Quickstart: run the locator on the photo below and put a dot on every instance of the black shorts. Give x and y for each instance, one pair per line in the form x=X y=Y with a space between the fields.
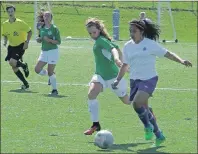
x=15 y=52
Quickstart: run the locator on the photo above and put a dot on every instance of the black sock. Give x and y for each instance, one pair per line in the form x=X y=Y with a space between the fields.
x=20 y=64
x=21 y=77
x=153 y=121
x=96 y=124
x=143 y=115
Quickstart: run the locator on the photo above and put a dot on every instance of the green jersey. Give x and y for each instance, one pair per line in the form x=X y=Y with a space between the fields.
x=52 y=33
x=105 y=65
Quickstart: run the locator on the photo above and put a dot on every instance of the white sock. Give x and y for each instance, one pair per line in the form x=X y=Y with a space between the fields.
x=53 y=81
x=93 y=109
x=43 y=72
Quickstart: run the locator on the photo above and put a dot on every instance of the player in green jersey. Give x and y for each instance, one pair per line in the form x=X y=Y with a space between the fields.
x=108 y=59
x=49 y=36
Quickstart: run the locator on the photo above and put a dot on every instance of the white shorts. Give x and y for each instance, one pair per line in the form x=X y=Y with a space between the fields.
x=122 y=86
x=50 y=57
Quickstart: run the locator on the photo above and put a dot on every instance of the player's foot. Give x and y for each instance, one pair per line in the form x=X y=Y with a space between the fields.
x=54 y=92
x=49 y=83
x=159 y=140
x=26 y=70
x=25 y=87
x=91 y=130
x=149 y=132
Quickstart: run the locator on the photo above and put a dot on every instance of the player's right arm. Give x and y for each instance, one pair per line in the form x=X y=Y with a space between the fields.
x=5 y=38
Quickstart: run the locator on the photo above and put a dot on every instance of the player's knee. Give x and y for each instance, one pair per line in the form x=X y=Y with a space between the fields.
x=12 y=63
x=37 y=70
x=50 y=73
x=92 y=95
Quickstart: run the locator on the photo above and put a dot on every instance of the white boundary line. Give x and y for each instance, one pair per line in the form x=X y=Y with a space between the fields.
x=83 y=84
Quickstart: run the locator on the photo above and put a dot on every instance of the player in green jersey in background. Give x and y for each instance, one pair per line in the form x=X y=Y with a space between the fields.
x=49 y=36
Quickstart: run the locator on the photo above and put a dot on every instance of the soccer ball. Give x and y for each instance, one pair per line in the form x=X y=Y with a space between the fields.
x=104 y=139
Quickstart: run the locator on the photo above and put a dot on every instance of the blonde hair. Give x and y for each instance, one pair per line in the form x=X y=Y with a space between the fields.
x=99 y=25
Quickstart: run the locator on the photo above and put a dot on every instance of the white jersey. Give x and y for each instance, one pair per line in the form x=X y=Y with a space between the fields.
x=141 y=58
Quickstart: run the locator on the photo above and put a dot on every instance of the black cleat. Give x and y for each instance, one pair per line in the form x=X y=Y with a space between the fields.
x=54 y=92
x=25 y=87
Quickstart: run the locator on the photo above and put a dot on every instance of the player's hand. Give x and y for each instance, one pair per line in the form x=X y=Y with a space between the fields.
x=118 y=62
x=187 y=63
x=38 y=40
x=4 y=44
x=47 y=39
x=115 y=84
x=25 y=46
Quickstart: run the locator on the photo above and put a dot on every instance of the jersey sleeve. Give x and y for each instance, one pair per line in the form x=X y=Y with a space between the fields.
x=125 y=57
x=25 y=26
x=3 y=30
x=57 y=35
x=158 y=50
x=105 y=43
x=115 y=45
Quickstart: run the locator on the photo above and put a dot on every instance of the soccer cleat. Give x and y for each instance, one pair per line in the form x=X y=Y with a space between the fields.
x=25 y=87
x=54 y=92
x=149 y=132
x=91 y=130
x=26 y=70
x=159 y=141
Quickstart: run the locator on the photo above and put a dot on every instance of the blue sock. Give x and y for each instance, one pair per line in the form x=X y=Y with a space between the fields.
x=143 y=115
x=154 y=123
x=158 y=134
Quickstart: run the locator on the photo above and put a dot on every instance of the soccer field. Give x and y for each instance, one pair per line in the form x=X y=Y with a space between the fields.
x=32 y=122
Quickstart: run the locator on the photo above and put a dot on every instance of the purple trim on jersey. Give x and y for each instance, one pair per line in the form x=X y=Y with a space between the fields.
x=147 y=86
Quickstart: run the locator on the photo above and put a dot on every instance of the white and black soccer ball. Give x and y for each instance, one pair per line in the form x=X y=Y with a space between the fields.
x=104 y=139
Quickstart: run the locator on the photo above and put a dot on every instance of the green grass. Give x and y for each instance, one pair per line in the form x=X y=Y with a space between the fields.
x=33 y=122
x=71 y=20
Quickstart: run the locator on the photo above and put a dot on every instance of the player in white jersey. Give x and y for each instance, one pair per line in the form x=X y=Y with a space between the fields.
x=140 y=54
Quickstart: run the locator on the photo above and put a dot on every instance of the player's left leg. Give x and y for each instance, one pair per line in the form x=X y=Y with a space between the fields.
x=53 y=56
x=19 y=52
x=145 y=90
x=52 y=78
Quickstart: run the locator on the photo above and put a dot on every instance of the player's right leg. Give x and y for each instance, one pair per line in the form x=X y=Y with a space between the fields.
x=42 y=61
x=139 y=103
x=95 y=88
x=18 y=73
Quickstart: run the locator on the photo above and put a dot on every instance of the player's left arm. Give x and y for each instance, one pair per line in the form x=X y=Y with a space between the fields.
x=111 y=47
x=25 y=27
x=116 y=57
x=162 y=52
x=174 y=57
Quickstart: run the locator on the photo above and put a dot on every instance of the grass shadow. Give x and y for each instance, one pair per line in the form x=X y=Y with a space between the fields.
x=124 y=147
x=152 y=150
x=22 y=91
x=54 y=96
